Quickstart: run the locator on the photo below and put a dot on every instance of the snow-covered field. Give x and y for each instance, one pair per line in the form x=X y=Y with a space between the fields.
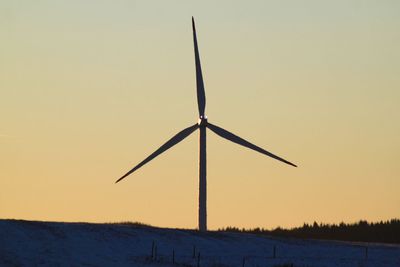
x=28 y=243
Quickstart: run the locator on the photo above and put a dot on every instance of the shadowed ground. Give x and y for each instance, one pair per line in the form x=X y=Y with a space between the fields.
x=32 y=243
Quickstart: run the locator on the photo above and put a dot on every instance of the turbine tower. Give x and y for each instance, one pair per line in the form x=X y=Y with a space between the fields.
x=202 y=124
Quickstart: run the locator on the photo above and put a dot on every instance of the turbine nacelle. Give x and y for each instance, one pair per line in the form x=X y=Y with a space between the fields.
x=202 y=122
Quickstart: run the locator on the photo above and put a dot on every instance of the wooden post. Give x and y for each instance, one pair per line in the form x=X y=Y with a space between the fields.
x=366 y=252
x=173 y=256
x=194 y=252
x=274 y=253
x=244 y=261
x=152 y=250
x=198 y=259
x=155 y=252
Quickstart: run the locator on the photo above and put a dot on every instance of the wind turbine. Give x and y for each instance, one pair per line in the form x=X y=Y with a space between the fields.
x=201 y=125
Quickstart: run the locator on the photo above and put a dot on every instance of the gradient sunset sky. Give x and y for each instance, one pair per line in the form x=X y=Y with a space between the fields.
x=90 y=88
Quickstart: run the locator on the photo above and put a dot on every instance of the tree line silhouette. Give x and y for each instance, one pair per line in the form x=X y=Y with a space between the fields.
x=362 y=231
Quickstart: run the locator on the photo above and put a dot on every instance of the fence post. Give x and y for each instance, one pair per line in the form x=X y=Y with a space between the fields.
x=274 y=252
x=173 y=256
x=155 y=252
x=244 y=261
x=366 y=252
x=194 y=252
x=198 y=260
x=152 y=250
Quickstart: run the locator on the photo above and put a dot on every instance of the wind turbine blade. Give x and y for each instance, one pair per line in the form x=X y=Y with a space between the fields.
x=238 y=140
x=170 y=143
x=201 y=95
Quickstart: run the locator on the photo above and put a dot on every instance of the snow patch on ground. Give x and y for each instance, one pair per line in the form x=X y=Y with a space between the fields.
x=31 y=243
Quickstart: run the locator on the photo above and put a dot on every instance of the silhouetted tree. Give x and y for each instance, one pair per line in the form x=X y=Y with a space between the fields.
x=384 y=232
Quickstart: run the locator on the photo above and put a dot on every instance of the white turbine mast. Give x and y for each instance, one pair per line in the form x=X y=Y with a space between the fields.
x=201 y=125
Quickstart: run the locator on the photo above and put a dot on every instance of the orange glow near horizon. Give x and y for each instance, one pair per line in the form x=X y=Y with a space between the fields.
x=90 y=89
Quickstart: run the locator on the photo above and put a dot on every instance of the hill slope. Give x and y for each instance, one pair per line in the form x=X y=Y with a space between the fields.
x=31 y=243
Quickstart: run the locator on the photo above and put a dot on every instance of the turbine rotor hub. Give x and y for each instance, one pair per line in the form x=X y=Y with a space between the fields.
x=202 y=121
